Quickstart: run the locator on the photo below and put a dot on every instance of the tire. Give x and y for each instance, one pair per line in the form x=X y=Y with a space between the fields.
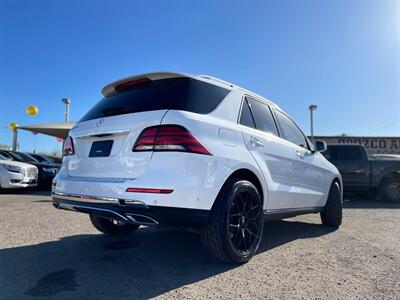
x=331 y=216
x=112 y=227
x=389 y=190
x=235 y=228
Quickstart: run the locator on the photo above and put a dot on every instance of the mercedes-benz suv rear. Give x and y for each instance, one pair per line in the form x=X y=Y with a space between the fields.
x=168 y=148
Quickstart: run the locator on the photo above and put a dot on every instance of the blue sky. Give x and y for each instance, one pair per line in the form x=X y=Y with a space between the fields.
x=343 y=56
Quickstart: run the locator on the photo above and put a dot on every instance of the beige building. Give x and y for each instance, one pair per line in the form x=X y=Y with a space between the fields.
x=373 y=144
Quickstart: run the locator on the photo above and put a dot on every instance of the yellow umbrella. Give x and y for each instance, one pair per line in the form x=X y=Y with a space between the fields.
x=32 y=110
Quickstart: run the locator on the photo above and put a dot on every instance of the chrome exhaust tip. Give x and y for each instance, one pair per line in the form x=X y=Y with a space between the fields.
x=141 y=219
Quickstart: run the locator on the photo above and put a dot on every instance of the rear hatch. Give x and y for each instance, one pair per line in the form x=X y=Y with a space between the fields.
x=103 y=147
x=104 y=137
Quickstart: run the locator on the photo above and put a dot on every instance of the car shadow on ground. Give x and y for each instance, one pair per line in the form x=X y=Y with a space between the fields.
x=27 y=191
x=146 y=264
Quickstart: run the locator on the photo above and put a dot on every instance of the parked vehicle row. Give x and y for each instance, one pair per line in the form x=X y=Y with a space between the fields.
x=45 y=169
x=196 y=151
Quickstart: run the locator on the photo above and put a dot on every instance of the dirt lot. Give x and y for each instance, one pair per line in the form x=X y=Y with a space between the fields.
x=56 y=254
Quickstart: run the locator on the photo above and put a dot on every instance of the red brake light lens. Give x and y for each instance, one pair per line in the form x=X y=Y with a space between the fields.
x=69 y=147
x=151 y=191
x=130 y=84
x=168 y=138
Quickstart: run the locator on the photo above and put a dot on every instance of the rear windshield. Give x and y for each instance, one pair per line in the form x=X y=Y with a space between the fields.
x=343 y=153
x=176 y=93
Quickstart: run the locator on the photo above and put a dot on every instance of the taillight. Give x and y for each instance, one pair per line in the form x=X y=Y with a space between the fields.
x=151 y=191
x=168 y=138
x=69 y=147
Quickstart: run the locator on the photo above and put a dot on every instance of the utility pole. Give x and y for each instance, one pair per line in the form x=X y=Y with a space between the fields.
x=67 y=102
x=15 y=140
x=312 y=107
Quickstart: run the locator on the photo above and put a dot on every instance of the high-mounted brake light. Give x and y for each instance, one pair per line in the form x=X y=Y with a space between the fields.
x=131 y=84
x=168 y=138
x=69 y=147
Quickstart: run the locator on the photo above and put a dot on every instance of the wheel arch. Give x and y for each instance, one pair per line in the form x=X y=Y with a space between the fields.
x=336 y=179
x=390 y=175
x=339 y=182
x=249 y=175
x=394 y=176
x=246 y=174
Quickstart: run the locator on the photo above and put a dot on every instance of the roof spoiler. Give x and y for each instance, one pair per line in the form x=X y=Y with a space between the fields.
x=110 y=89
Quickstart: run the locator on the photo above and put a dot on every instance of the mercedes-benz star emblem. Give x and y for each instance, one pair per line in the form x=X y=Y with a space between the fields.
x=99 y=122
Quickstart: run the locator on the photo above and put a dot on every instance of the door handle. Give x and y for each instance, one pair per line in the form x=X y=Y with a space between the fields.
x=255 y=142
x=300 y=154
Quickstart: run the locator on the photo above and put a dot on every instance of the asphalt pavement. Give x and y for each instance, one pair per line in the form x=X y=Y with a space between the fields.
x=52 y=254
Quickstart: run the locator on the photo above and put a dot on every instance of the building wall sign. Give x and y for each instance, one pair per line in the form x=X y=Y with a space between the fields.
x=373 y=144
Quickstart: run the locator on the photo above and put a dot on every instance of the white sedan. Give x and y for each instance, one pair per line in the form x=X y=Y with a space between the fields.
x=14 y=174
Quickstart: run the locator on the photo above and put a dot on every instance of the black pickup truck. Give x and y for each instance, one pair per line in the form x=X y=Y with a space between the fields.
x=363 y=174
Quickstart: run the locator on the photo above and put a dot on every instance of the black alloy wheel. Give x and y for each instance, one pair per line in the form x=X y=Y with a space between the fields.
x=235 y=229
x=245 y=224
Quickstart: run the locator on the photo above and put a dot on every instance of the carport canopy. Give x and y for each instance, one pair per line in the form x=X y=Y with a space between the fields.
x=59 y=130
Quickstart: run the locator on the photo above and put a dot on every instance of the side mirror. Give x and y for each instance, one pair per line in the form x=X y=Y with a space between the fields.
x=320 y=146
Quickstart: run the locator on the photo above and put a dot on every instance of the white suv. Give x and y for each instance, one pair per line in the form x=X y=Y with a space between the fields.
x=194 y=151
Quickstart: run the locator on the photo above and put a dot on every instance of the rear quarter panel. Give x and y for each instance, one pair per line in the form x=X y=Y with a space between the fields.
x=224 y=141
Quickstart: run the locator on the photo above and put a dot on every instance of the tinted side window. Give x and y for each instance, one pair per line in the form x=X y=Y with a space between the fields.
x=344 y=153
x=290 y=131
x=246 y=117
x=39 y=158
x=23 y=157
x=6 y=155
x=262 y=116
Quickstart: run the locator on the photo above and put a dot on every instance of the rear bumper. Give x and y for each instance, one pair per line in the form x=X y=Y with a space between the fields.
x=195 y=180
x=132 y=211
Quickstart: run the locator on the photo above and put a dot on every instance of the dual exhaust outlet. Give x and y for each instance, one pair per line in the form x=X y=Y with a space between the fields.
x=90 y=205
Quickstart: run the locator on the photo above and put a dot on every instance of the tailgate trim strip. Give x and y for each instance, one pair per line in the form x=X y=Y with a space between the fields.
x=102 y=133
x=97 y=200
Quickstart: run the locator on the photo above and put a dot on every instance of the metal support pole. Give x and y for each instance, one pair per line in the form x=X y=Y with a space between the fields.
x=67 y=113
x=312 y=125
x=15 y=140
x=312 y=107
x=67 y=102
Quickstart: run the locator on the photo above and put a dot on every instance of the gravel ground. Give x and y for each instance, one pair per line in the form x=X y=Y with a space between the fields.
x=48 y=253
